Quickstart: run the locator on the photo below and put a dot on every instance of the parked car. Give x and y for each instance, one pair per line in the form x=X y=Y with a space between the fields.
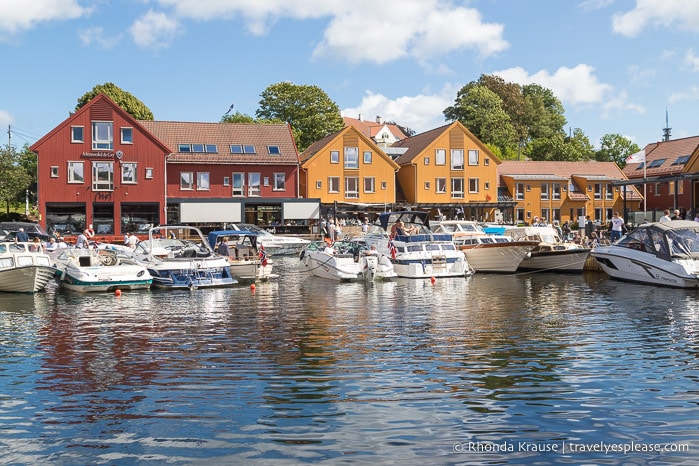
x=8 y=230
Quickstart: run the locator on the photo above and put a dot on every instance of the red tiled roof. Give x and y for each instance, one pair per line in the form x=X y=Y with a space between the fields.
x=223 y=135
x=372 y=128
x=536 y=168
x=668 y=151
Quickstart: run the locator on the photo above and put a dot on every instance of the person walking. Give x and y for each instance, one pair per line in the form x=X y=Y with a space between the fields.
x=617 y=226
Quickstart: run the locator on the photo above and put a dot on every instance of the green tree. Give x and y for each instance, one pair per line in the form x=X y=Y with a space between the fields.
x=238 y=117
x=481 y=111
x=615 y=148
x=14 y=179
x=561 y=147
x=128 y=102
x=309 y=111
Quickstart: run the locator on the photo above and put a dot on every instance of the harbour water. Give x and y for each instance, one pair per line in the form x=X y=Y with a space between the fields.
x=491 y=369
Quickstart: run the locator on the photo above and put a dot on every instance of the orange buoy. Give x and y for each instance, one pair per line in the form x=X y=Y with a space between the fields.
x=432 y=280
x=117 y=292
x=252 y=287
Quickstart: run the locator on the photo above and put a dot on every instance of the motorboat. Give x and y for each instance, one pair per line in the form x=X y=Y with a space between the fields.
x=24 y=267
x=485 y=252
x=179 y=256
x=661 y=253
x=551 y=254
x=247 y=259
x=275 y=245
x=92 y=270
x=346 y=261
x=419 y=254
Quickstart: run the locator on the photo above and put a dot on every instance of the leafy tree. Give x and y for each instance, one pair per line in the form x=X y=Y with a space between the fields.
x=481 y=111
x=238 y=117
x=615 y=148
x=543 y=112
x=123 y=99
x=559 y=147
x=14 y=179
x=309 y=111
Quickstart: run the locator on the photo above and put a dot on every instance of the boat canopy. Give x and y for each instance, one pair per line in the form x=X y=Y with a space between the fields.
x=667 y=240
x=407 y=217
x=233 y=235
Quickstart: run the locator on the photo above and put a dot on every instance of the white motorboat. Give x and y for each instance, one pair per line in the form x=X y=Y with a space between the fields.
x=92 y=270
x=275 y=245
x=248 y=260
x=179 y=256
x=485 y=252
x=662 y=253
x=551 y=254
x=349 y=261
x=24 y=267
x=420 y=254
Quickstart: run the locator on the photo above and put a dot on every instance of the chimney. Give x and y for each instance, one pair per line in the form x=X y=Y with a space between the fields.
x=378 y=119
x=359 y=117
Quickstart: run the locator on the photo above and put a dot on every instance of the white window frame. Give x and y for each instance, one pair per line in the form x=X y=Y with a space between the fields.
x=73 y=134
x=351 y=187
x=369 y=184
x=102 y=135
x=544 y=191
x=440 y=185
x=186 y=181
x=203 y=181
x=127 y=135
x=238 y=184
x=457 y=187
x=456 y=158
x=368 y=157
x=149 y=173
x=351 y=158
x=254 y=188
x=334 y=156
x=54 y=171
x=125 y=168
x=333 y=184
x=519 y=191
x=473 y=185
x=556 y=191
x=76 y=172
x=99 y=181
x=473 y=156
x=440 y=156
x=279 y=182
x=226 y=181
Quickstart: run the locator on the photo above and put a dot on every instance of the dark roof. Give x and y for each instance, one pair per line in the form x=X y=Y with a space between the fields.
x=223 y=135
x=661 y=157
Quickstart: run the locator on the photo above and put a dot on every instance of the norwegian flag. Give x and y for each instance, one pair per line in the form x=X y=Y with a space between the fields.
x=263 y=256
x=392 y=247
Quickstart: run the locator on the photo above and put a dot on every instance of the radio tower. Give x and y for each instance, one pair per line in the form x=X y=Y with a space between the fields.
x=666 y=130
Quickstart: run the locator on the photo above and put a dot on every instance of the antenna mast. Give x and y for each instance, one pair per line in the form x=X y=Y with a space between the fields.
x=666 y=130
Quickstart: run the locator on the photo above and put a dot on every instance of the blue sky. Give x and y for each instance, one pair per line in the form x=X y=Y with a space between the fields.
x=617 y=65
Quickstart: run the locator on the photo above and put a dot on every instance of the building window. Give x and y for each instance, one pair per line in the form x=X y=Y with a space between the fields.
x=226 y=181
x=556 y=214
x=211 y=148
x=657 y=189
x=473 y=157
x=102 y=176
x=609 y=191
x=203 y=181
x=369 y=184
x=333 y=184
x=54 y=171
x=351 y=157
x=128 y=173
x=334 y=156
x=253 y=184
x=426 y=161
x=186 y=181
x=544 y=191
x=486 y=161
x=545 y=215
x=242 y=149
x=149 y=173
x=457 y=159
x=519 y=191
x=384 y=185
x=102 y=135
x=279 y=182
x=77 y=134
x=457 y=188
x=238 y=184
x=519 y=213
x=598 y=190
x=351 y=187
x=368 y=156
x=76 y=172
x=473 y=185
x=265 y=181
x=556 y=191
x=274 y=150
x=486 y=185
x=127 y=135
x=441 y=185
x=440 y=157
x=184 y=148
x=319 y=184
x=198 y=148
x=427 y=185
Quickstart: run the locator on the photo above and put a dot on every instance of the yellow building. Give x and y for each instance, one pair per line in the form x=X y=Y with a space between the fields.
x=449 y=170
x=566 y=190
x=347 y=167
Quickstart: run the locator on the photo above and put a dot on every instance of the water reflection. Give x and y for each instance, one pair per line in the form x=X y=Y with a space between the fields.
x=307 y=370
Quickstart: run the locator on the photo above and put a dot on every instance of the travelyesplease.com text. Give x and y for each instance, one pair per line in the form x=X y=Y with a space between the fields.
x=568 y=447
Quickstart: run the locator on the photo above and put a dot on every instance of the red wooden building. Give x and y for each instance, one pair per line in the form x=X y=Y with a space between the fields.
x=100 y=166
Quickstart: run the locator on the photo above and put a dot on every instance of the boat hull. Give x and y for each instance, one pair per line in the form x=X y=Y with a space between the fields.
x=28 y=279
x=640 y=267
x=340 y=267
x=496 y=257
x=191 y=273
x=567 y=260
x=251 y=270
x=97 y=279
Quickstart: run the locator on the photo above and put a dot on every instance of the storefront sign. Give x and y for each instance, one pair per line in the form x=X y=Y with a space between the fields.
x=102 y=155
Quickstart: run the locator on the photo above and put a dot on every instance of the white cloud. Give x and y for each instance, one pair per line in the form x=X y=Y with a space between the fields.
x=5 y=119
x=619 y=103
x=692 y=60
x=22 y=15
x=657 y=13
x=96 y=35
x=690 y=94
x=420 y=113
x=364 y=30
x=575 y=86
x=155 y=30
